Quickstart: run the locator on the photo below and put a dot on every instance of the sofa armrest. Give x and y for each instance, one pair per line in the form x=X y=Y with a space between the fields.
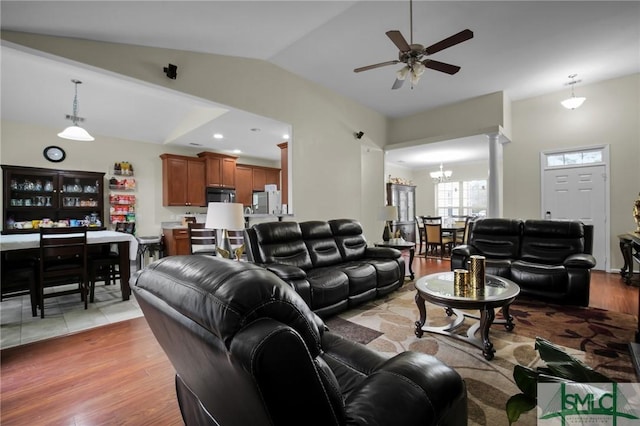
x=464 y=250
x=580 y=260
x=286 y=272
x=420 y=389
x=382 y=253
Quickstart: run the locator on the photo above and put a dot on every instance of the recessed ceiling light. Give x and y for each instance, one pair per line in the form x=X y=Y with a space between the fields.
x=286 y=136
x=218 y=136
x=237 y=151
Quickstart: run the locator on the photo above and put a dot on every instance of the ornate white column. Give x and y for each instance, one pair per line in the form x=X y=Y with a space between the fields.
x=494 y=183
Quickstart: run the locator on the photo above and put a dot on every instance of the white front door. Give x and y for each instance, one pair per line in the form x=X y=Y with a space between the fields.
x=580 y=193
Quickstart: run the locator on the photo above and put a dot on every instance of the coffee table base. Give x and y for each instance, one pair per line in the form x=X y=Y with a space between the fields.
x=486 y=319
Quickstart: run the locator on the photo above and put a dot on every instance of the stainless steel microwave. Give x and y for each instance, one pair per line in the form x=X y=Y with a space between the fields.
x=221 y=195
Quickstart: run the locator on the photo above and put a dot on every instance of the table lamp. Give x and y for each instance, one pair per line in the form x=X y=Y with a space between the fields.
x=388 y=214
x=225 y=216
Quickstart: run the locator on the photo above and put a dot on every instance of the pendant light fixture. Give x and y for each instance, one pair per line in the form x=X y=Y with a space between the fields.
x=573 y=102
x=75 y=132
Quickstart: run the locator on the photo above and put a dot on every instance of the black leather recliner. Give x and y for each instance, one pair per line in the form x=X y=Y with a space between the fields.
x=248 y=351
x=548 y=259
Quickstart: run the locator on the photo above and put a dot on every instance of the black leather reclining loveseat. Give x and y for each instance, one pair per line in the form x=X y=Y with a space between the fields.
x=548 y=259
x=327 y=263
x=247 y=350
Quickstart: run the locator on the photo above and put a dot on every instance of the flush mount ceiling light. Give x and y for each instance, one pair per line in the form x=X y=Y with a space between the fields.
x=75 y=132
x=573 y=102
x=441 y=175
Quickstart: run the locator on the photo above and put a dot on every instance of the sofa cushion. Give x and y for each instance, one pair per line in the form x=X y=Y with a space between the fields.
x=329 y=286
x=497 y=238
x=540 y=278
x=500 y=267
x=320 y=243
x=281 y=242
x=349 y=238
x=362 y=277
x=551 y=241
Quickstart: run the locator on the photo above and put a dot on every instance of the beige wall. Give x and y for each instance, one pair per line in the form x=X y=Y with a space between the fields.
x=326 y=159
x=609 y=116
x=467 y=118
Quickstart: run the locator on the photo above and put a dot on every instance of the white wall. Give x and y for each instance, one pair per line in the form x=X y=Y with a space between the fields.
x=326 y=159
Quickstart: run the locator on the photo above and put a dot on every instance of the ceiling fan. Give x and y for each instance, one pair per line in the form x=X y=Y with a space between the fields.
x=414 y=56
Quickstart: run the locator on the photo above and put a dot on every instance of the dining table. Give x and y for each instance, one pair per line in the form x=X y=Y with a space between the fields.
x=127 y=249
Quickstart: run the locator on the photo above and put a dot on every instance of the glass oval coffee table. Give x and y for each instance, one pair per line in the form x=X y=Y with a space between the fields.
x=438 y=289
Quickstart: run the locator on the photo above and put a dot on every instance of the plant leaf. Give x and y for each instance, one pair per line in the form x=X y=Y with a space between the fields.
x=517 y=405
x=564 y=365
x=526 y=379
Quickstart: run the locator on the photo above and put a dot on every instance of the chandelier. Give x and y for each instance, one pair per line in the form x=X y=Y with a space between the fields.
x=441 y=175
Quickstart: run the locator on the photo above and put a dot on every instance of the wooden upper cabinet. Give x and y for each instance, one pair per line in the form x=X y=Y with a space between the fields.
x=265 y=176
x=183 y=181
x=244 y=185
x=220 y=169
x=259 y=179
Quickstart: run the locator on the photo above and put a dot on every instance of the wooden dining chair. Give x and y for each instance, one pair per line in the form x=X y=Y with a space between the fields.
x=421 y=233
x=203 y=240
x=63 y=260
x=104 y=262
x=461 y=222
x=435 y=241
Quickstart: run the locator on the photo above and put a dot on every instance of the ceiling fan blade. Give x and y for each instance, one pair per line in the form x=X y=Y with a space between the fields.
x=441 y=66
x=463 y=35
x=397 y=39
x=381 y=64
x=397 y=84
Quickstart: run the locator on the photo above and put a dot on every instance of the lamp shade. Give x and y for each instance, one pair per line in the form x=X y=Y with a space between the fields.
x=76 y=133
x=225 y=216
x=573 y=102
x=388 y=213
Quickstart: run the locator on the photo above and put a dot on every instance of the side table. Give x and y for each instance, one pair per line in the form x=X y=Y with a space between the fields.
x=401 y=245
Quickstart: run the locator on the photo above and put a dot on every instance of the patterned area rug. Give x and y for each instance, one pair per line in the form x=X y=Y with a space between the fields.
x=597 y=337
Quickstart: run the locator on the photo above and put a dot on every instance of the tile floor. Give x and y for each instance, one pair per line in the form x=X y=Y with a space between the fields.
x=63 y=315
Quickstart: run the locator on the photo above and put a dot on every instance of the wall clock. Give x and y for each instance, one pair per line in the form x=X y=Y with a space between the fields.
x=54 y=154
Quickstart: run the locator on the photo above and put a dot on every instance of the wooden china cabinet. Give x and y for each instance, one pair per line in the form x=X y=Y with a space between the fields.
x=404 y=197
x=32 y=195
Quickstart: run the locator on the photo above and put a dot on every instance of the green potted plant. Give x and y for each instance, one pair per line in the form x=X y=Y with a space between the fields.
x=560 y=367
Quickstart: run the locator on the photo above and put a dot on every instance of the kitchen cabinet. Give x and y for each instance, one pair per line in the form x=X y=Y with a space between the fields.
x=183 y=181
x=32 y=195
x=220 y=169
x=265 y=176
x=176 y=241
x=244 y=185
x=403 y=196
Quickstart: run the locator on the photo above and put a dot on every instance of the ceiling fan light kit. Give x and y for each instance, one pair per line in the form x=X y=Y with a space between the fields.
x=574 y=101
x=75 y=132
x=414 y=55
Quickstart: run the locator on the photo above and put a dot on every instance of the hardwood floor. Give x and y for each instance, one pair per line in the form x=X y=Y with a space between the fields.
x=118 y=374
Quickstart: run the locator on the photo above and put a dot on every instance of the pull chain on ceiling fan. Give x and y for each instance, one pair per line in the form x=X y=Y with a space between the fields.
x=414 y=55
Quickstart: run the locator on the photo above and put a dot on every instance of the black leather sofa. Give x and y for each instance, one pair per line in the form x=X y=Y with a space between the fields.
x=327 y=263
x=548 y=259
x=247 y=350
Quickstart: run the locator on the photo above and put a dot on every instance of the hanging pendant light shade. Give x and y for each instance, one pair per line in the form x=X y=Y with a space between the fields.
x=574 y=101
x=76 y=132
